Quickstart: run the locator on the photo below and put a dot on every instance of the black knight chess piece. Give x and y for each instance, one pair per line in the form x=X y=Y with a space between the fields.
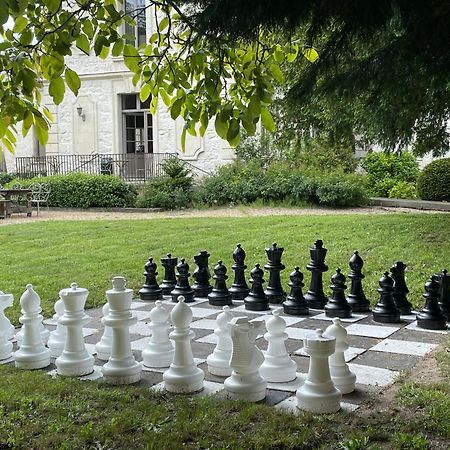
x=444 y=293
x=274 y=291
x=201 y=275
x=182 y=287
x=356 y=298
x=315 y=296
x=239 y=289
x=337 y=306
x=431 y=316
x=295 y=304
x=256 y=300
x=150 y=290
x=220 y=296
x=170 y=280
x=385 y=311
x=400 y=288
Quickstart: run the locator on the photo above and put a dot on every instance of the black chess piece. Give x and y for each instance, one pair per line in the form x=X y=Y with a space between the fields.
x=150 y=290
x=274 y=291
x=295 y=304
x=239 y=289
x=201 y=275
x=385 y=311
x=315 y=296
x=220 y=296
x=444 y=293
x=357 y=299
x=256 y=300
x=169 y=281
x=400 y=288
x=431 y=316
x=182 y=287
x=337 y=305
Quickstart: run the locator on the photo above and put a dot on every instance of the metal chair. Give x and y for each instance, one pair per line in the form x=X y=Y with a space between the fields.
x=40 y=193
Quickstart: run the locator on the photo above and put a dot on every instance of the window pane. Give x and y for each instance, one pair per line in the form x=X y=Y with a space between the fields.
x=131 y=147
x=150 y=147
x=140 y=121
x=150 y=133
x=130 y=134
x=129 y=101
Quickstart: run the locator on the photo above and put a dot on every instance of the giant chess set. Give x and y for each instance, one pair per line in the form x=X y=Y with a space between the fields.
x=291 y=350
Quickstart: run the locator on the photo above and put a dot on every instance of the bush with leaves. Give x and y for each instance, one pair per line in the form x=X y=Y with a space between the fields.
x=434 y=181
x=6 y=178
x=403 y=189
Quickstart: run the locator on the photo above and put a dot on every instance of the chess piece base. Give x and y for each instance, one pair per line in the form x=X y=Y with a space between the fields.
x=218 y=363
x=359 y=306
x=321 y=399
x=251 y=305
x=103 y=356
x=274 y=372
x=316 y=302
x=404 y=309
x=338 y=312
x=145 y=295
x=238 y=293
x=431 y=324
x=343 y=379
x=385 y=317
x=188 y=296
x=158 y=355
x=6 y=350
x=74 y=365
x=202 y=292
x=166 y=290
x=56 y=350
x=220 y=301
x=31 y=361
x=293 y=309
x=122 y=372
x=178 y=382
x=247 y=387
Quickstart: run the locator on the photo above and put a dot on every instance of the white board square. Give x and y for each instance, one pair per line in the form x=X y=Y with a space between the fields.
x=89 y=331
x=404 y=347
x=139 y=344
x=354 y=318
x=201 y=313
x=373 y=376
x=374 y=331
x=298 y=333
x=204 y=324
x=141 y=328
x=208 y=339
x=349 y=354
x=289 y=386
x=413 y=326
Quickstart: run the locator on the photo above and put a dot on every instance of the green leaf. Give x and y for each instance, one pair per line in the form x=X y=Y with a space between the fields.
x=83 y=44
x=41 y=128
x=310 y=54
x=233 y=129
x=165 y=97
x=88 y=28
x=221 y=127
x=276 y=72
x=48 y=114
x=131 y=58
x=20 y=24
x=267 y=120
x=183 y=140
x=163 y=24
x=8 y=144
x=26 y=37
x=175 y=109
x=118 y=47
x=99 y=43
x=254 y=107
x=56 y=89
x=28 y=120
x=145 y=92
x=73 y=81
x=52 y=5
x=154 y=105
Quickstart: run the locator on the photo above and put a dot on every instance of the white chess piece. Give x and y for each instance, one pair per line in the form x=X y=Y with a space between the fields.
x=159 y=350
x=103 y=347
x=318 y=393
x=121 y=367
x=219 y=360
x=245 y=382
x=183 y=376
x=341 y=375
x=32 y=354
x=57 y=338
x=75 y=359
x=6 y=300
x=277 y=367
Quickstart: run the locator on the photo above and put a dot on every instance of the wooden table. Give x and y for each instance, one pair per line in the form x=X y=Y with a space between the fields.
x=15 y=201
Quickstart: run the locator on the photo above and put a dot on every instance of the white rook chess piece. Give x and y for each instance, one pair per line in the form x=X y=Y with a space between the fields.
x=318 y=393
x=32 y=353
x=245 y=382
x=75 y=359
x=159 y=350
x=277 y=367
x=341 y=375
x=103 y=347
x=219 y=360
x=121 y=367
x=183 y=376
x=57 y=338
x=6 y=300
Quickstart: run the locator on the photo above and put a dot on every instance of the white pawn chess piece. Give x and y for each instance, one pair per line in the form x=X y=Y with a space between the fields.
x=6 y=300
x=75 y=359
x=245 y=382
x=318 y=393
x=121 y=367
x=183 y=376
x=32 y=354
x=219 y=360
x=103 y=347
x=341 y=375
x=159 y=350
x=57 y=338
x=277 y=367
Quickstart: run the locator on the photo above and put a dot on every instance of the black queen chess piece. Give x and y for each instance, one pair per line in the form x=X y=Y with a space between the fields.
x=150 y=290
x=337 y=305
x=239 y=289
x=220 y=295
x=356 y=298
x=385 y=311
x=169 y=282
x=256 y=299
x=315 y=296
x=444 y=293
x=295 y=304
x=274 y=291
x=182 y=287
x=400 y=288
x=201 y=275
x=431 y=316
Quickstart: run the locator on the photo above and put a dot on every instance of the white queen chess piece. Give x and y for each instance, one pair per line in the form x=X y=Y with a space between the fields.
x=57 y=338
x=103 y=346
x=6 y=300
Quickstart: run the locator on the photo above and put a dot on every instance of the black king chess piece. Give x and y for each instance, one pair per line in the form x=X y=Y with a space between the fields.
x=182 y=287
x=220 y=296
x=256 y=300
x=385 y=311
x=295 y=304
x=431 y=316
x=169 y=281
x=400 y=288
x=150 y=290
x=274 y=291
x=239 y=289
x=444 y=293
x=356 y=298
x=337 y=306
x=201 y=275
x=315 y=296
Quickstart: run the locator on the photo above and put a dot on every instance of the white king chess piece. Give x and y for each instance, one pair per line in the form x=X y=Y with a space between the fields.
x=6 y=300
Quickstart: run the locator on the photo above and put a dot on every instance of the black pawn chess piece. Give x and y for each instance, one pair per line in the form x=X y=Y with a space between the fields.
x=274 y=291
x=356 y=299
x=400 y=288
x=220 y=296
x=315 y=296
x=444 y=293
x=295 y=304
x=239 y=289
x=150 y=290
x=337 y=306
x=431 y=317
x=256 y=299
x=201 y=275
x=170 y=280
x=182 y=287
x=385 y=311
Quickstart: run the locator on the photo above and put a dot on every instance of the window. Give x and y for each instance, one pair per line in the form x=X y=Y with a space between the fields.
x=136 y=10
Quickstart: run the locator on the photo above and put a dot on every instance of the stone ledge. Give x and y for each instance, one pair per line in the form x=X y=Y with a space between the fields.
x=415 y=204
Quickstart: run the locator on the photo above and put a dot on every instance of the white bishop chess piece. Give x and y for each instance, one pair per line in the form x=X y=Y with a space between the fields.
x=103 y=346
x=219 y=360
x=245 y=382
x=6 y=300
x=57 y=338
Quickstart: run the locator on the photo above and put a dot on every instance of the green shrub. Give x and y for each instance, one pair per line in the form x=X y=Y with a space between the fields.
x=6 y=178
x=403 y=189
x=434 y=181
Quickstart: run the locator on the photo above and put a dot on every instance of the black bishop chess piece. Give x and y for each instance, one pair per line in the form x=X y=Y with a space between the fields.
x=295 y=304
x=256 y=299
x=385 y=311
x=150 y=290
x=315 y=296
x=274 y=291
x=356 y=298
x=169 y=282
x=400 y=288
x=431 y=316
x=239 y=289
x=220 y=295
x=201 y=275
x=182 y=287
x=337 y=305
x=444 y=293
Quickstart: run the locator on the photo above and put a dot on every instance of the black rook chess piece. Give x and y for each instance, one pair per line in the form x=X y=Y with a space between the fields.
x=356 y=299
x=444 y=293
x=169 y=281
x=431 y=317
x=256 y=300
x=150 y=290
x=385 y=311
x=337 y=306
x=315 y=296
x=295 y=304
x=182 y=287
x=400 y=288
x=274 y=291
x=220 y=296
x=201 y=275
x=239 y=289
